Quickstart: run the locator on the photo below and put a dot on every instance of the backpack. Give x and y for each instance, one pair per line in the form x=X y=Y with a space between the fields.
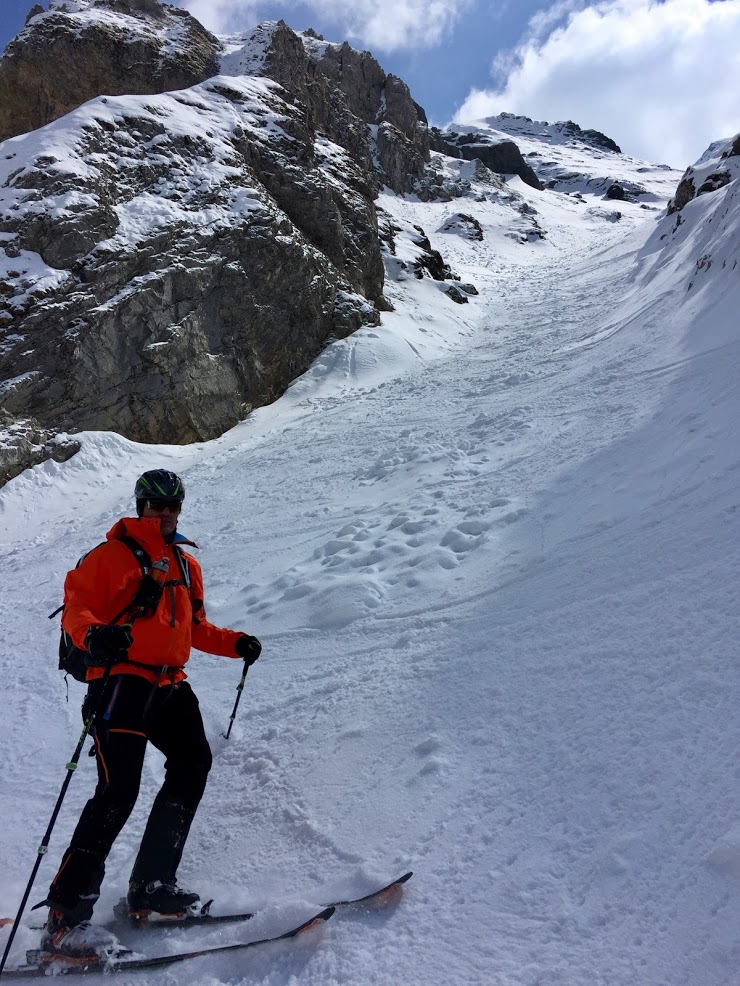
x=71 y=657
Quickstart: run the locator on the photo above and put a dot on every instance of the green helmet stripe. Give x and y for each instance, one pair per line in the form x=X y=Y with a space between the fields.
x=159 y=484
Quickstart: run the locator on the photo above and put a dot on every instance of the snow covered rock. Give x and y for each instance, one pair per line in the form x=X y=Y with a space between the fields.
x=699 y=236
x=80 y=49
x=347 y=94
x=463 y=225
x=713 y=171
x=456 y=294
x=499 y=154
x=24 y=443
x=168 y=262
x=408 y=252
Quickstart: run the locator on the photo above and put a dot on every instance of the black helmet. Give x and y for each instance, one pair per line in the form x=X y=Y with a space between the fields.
x=159 y=484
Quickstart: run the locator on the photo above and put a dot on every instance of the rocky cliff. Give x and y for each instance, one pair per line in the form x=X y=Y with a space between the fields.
x=171 y=261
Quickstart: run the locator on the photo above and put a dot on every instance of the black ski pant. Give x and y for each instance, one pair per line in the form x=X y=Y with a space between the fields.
x=131 y=712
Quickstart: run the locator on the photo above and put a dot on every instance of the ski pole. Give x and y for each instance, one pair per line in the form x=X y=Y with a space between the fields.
x=239 y=690
x=43 y=848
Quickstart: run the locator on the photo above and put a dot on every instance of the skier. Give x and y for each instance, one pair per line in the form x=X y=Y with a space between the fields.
x=136 y=682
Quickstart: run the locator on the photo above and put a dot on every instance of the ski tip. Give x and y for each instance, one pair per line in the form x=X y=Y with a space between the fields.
x=393 y=891
x=316 y=920
x=4 y=921
x=312 y=922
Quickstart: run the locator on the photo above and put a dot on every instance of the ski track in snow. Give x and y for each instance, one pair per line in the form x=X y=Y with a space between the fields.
x=492 y=556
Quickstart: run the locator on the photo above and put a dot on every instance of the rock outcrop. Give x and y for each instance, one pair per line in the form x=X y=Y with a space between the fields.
x=80 y=49
x=734 y=149
x=348 y=97
x=24 y=443
x=500 y=156
x=709 y=174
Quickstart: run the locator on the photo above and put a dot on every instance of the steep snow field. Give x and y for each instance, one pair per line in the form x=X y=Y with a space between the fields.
x=492 y=553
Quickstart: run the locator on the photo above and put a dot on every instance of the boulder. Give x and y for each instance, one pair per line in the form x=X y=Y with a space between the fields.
x=456 y=294
x=463 y=225
x=713 y=182
x=685 y=192
x=430 y=261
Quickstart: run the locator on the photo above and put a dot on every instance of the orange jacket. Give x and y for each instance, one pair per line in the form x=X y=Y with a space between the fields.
x=106 y=580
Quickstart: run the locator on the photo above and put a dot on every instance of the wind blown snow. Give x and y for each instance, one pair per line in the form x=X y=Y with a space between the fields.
x=491 y=551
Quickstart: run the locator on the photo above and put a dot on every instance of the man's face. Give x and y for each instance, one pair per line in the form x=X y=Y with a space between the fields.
x=168 y=512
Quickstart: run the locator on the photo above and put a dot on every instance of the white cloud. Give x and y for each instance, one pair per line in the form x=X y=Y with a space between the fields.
x=392 y=25
x=381 y=25
x=223 y=16
x=660 y=78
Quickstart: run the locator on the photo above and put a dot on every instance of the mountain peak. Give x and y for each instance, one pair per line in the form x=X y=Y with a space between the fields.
x=562 y=132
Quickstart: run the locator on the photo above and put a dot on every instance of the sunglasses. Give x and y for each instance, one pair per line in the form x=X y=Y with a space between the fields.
x=159 y=506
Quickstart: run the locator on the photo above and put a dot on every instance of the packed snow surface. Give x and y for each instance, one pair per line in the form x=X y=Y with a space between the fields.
x=492 y=551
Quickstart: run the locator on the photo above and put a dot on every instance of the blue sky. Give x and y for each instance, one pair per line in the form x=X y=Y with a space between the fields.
x=661 y=77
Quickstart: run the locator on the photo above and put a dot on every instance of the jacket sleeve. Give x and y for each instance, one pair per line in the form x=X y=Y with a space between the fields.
x=88 y=591
x=206 y=636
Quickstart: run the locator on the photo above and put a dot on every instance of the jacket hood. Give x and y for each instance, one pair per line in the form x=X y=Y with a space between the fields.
x=148 y=533
x=145 y=530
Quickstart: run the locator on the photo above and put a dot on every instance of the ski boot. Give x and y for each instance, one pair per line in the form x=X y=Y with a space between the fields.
x=82 y=943
x=158 y=901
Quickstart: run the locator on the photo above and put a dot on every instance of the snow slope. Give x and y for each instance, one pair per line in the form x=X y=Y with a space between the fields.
x=491 y=550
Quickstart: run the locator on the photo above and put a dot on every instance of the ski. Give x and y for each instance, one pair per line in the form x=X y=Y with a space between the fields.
x=388 y=890
x=204 y=916
x=58 y=967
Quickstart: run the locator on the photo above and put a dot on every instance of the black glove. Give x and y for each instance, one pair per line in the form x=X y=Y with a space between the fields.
x=148 y=595
x=106 y=645
x=249 y=648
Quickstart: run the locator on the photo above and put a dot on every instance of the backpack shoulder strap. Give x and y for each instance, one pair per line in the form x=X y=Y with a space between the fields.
x=141 y=556
x=136 y=549
x=183 y=564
